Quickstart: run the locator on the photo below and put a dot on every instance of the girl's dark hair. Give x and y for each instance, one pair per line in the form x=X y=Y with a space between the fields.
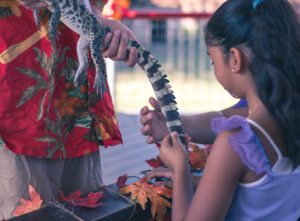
x=271 y=30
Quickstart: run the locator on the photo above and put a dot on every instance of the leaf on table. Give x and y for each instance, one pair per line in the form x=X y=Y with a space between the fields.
x=26 y=206
x=197 y=156
x=121 y=182
x=155 y=162
x=92 y=200
x=141 y=191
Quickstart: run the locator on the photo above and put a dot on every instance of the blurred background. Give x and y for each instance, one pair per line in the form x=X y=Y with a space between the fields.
x=172 y=30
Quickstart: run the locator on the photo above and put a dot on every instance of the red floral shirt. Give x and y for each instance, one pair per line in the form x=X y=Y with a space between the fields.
x=42 y=113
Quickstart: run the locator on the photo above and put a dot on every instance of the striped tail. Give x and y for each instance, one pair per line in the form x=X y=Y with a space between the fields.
x=162 y=89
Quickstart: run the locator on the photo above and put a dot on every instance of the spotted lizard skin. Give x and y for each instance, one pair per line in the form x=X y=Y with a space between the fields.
x=79 y=17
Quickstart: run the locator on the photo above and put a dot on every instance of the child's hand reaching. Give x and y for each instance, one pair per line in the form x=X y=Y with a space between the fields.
x=153 y=121
x=173 y=153
x=160 y=172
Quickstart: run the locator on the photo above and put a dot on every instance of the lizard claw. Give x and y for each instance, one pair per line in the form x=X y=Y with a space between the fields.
x=79 y=79
x=100 y=87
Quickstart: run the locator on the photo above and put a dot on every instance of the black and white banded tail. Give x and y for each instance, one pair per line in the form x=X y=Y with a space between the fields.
x=162 y=89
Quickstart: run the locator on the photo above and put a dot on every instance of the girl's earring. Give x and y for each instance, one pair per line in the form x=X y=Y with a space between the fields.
x=233 y=70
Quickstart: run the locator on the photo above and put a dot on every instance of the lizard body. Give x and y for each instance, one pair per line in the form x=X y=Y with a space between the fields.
x=79 y=18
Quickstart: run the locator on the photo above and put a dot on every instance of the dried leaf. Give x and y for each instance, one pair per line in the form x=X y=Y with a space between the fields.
x=155 y=163
x=141 y=191
x=197 y=156
x=121 y=182
x=90 y=201
x=27 y=206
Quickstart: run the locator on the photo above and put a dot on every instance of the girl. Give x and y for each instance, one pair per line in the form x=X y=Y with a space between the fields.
x=253 y=171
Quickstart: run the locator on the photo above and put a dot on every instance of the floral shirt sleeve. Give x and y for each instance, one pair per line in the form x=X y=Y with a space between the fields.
x=42 y=113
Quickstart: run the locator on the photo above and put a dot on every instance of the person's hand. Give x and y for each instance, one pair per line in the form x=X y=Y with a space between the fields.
x=115 y=43
x=154 y=122
x=173 y=154
x=34 y=4
x=161 y=172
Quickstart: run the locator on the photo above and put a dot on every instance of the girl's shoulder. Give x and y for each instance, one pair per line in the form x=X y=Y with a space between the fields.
x=244 y=141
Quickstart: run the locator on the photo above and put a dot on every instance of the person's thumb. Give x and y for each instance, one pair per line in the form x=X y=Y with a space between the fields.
x=154 y=103
x=175 y=138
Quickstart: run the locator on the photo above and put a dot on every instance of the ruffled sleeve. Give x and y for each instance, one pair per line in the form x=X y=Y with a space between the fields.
x=245 y=143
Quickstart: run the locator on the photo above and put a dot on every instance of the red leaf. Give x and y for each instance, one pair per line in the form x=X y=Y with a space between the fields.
x=155 y=163
x=90 y=201
x=121 y=182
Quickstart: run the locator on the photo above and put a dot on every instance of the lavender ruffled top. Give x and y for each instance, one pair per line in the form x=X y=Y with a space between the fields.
x=245 y=143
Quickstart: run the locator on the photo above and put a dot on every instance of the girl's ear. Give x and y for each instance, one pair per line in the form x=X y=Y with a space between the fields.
x=235 y=59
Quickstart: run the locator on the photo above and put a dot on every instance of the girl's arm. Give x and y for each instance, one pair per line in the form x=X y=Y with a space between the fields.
x=217 y=186
x=174 y=156
x=198 y=125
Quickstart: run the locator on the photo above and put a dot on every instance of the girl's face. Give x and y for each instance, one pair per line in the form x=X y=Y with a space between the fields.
x=222 y=69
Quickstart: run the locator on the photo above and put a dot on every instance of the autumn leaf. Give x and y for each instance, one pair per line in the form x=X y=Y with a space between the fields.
x=26 y=206
x=90 y=201
x=197 y=156
x=155 y=163
x=121 y=182
x=157 y=194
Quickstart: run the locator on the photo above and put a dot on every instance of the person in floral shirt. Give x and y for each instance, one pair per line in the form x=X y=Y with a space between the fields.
x=50 y=130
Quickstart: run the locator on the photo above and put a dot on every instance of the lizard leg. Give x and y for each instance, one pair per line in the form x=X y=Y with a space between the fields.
x=100 y=78
x=82 y=54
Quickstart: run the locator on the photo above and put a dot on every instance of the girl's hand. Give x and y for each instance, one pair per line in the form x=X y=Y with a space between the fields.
x=154 y=122
x=173 y=153
x=160 y=172
x=34 y=4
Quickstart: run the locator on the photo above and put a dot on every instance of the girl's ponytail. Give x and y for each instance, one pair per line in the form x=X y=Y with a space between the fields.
x=275 y=45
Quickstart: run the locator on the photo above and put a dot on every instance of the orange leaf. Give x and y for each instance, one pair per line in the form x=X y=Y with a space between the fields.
x=163 y=191
x=141 y=191
x=197 y=156
x=27 y=206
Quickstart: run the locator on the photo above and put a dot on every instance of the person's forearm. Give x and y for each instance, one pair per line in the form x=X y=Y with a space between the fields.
x=198 y=127
x=182 y=193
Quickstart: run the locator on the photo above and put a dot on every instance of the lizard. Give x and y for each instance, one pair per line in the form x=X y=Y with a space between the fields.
x=79 y=17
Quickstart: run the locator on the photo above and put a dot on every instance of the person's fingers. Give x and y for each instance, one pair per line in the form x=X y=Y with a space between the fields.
x=175 y=138
x=107 y=39
x=159 y=172
x=154 y=103
x=144 y=110
x=146 y=130
x=150 y=140
x=167 y=141
x=111 y=51
x=132 y=57
x=121 y=52
x=187 y=138
x=146 y=119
